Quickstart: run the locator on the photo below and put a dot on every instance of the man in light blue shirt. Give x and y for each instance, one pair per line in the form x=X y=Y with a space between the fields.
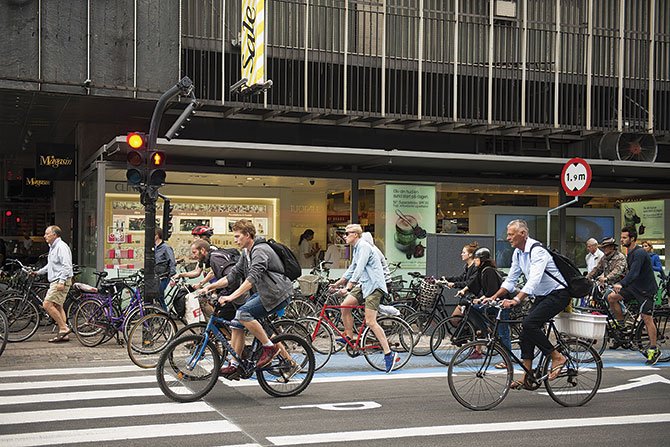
x=365 y=283
x=537 y=265
x=59 y=274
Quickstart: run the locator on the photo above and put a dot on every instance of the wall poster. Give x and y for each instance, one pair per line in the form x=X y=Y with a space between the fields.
x=648 y=218
x=410 y=216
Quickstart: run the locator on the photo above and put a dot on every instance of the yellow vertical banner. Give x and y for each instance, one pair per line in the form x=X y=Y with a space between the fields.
x=253 y=41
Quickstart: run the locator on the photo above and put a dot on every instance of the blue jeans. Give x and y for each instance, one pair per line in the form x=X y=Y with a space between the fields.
x=161 y=292
x=253 y=310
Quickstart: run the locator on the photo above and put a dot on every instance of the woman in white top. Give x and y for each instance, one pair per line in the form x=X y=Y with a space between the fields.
x=307 y=250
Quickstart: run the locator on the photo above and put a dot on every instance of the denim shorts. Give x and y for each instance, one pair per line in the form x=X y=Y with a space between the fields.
x=253 y=310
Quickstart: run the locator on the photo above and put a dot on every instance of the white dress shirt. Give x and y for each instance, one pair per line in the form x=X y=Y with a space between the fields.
x=592 y=259
x=538 y=283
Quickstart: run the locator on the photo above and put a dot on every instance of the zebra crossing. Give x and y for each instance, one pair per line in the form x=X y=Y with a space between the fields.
x=123 y=405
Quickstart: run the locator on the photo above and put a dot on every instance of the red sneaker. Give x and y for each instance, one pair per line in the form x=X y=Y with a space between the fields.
x=230 y=372
x=267 y=355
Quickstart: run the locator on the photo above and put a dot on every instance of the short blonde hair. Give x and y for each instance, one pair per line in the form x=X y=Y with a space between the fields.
x=354 y=228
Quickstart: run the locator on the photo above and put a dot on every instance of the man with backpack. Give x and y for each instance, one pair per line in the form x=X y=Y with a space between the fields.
x=543 y=281
x=262 y=273
x=221 y=262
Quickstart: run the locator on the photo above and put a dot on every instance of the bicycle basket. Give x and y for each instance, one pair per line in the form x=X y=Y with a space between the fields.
x=428 y=291
x=309 y=284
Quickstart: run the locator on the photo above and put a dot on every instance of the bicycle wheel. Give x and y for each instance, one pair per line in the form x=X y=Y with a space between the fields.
x=4 y=331
x=191 y=329
x=188 y=368
x=91 y=323
x=299 y=308
x=474 y=380
x=23 y=317
x=321 y=341
x=400 y=339
x=148 y=337
x=291 y=371
x=290 y=326
x=423 y=325
x=136 y=314
x=579 y=379
x=449 y=335
x=641 y=339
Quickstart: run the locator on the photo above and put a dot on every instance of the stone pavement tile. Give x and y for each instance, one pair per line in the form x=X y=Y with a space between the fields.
x=37 y=352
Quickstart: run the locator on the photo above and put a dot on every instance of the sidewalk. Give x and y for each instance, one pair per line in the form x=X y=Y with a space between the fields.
x=39 y=353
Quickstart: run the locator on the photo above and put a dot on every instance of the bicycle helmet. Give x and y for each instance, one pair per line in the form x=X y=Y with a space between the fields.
x=202 y=230
x=483 y=253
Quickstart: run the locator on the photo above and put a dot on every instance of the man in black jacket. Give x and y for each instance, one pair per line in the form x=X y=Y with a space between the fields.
x=639 y=284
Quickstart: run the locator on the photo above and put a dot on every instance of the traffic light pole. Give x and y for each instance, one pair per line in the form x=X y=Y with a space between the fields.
x=149 y=193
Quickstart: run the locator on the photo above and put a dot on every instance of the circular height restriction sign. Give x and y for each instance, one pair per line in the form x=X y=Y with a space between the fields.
x=576 y=177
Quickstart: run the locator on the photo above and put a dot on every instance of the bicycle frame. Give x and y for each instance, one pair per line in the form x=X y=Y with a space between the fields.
x=324 y=317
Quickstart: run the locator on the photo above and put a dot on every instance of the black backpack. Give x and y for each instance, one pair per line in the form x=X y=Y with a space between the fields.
x=291 y=265
x=179 y=302
x=577 y=284
x=222 y=261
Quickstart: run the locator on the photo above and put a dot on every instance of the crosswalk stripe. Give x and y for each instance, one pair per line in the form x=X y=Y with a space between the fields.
x=118 y=433
x=79 y=395
x=67 y=371
x=450 y=430
x=11 y=386
x=71 y=414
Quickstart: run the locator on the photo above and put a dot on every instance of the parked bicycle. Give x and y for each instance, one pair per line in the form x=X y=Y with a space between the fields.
x=477 y=384
x=189 y=366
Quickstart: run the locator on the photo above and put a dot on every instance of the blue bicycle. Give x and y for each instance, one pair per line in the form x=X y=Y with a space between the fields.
x=189 y=366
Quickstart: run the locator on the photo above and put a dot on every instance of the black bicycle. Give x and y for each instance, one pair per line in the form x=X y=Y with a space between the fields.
x=477 y=384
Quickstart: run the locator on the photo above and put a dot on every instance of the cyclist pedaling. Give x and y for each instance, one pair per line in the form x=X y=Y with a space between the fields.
x=205 y=234
x=260 y=271
x=639 y=285
x=550 y=296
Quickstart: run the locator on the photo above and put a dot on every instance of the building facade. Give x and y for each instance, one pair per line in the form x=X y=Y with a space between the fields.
x=482 y=101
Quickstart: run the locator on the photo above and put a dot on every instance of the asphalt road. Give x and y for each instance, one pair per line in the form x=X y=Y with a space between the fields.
x=114 y=403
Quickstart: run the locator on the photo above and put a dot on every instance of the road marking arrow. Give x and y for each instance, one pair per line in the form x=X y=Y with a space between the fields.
x=632 y=383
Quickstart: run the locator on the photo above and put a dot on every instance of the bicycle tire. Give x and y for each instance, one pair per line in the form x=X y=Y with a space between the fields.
x=475 y=382
x=321 y=342
x=641 y=337
x=291 y=371
x=4 y=331
x=450 y=334
x=23 y=317
x=91 y=323
x=148 y=337
x=400 y=339
x=180 y=382
x=136 y=314
x=299 y=308
x=424 y=325
x=579 y=379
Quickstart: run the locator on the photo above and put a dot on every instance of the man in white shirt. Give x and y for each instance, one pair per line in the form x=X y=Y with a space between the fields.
x=550 y=296
x=593 y=254
x=59 y=274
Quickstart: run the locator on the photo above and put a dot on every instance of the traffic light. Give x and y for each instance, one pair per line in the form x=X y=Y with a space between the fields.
x=156 y=175
x=136 y=158
x=167 y=218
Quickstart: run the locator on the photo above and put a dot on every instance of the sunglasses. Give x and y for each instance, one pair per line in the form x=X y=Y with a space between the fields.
x=350 y=232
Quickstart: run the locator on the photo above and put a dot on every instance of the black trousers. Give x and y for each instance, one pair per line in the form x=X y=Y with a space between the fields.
x=544 y=308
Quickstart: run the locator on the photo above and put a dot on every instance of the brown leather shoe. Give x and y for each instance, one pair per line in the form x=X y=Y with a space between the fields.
x=267 y=355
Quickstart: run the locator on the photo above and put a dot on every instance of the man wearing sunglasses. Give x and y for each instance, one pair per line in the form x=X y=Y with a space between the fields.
x=365 y=284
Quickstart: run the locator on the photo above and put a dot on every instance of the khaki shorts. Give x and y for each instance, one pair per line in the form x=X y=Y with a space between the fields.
x=54 y=295
x=371 y=301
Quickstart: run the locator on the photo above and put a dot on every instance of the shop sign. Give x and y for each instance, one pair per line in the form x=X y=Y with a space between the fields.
x=55 y=162
x=253 y=41
x=34 y=186
x=646 y=217
x=410 y=211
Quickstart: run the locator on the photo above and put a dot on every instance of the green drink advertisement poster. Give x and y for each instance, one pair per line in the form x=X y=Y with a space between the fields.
x=410 y=216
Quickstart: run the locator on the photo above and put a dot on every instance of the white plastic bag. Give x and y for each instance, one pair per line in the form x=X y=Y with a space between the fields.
x=193 y=312
x=388 y=310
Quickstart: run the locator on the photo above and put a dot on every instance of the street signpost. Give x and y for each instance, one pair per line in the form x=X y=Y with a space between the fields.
x=575 y=180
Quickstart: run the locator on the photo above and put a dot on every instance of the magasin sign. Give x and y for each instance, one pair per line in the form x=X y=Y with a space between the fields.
x=55 y=162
